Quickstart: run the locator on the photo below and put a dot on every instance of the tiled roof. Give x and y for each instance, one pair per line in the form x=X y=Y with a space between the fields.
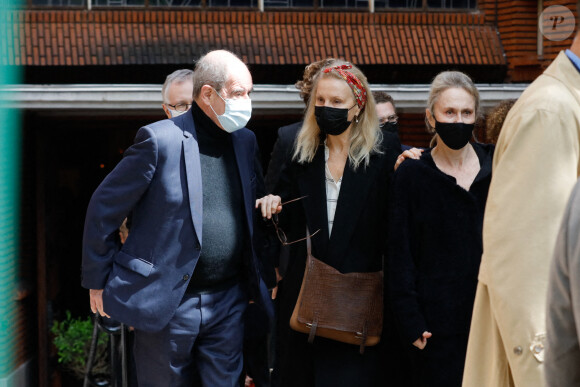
x=131 y=37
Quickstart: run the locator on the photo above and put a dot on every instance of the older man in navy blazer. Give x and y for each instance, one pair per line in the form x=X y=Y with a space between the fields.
x=185 y=274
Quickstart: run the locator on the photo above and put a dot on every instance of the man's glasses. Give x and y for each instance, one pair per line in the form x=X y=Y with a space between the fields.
x=180 y=107
x=280 y=233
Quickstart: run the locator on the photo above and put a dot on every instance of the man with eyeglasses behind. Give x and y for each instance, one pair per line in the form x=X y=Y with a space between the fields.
x=385 y=108
x=177 y=92
x=388 y=119
x=389 y=123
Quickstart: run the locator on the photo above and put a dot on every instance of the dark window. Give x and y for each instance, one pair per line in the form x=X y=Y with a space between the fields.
x=344 y=3
x=363 y=4
x=113 y=3
x=288 y=3
x=58 y=3
x=451 y=3
x=231 y=3
x=175 y=3
x=445 y=4
x=399 y=3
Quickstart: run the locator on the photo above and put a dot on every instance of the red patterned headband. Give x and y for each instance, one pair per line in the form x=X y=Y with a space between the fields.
x=359 y=91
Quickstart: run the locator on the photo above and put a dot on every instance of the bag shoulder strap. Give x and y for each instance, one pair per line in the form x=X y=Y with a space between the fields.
x=308 y=242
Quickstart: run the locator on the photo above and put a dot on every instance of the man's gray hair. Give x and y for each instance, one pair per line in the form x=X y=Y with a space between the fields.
x=209 y=71
x=178 y=76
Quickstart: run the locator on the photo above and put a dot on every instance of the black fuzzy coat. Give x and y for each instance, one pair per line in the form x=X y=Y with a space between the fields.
x=435 y=249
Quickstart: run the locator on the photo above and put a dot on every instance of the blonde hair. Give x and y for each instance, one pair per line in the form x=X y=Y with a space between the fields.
x=365 y=135
x=447 y=80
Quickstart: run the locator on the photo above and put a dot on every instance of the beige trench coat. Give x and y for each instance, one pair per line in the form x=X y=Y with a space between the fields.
x=536 y=164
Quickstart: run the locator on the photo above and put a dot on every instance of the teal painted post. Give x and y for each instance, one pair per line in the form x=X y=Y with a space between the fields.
x=10 y=133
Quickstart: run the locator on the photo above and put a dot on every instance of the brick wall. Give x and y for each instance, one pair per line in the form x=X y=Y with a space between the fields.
x=518 y=28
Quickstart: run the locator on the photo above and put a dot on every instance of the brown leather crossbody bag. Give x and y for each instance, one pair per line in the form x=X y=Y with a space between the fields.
x=342 y=307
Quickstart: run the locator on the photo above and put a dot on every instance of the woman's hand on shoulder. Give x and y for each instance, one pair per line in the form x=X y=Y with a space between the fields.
x=413 y=153
x=269 y=205
x=421 y=342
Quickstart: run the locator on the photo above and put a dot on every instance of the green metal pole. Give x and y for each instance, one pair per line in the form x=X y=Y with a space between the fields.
x=9 y=196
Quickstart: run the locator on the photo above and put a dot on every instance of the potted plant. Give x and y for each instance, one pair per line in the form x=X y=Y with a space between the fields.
x=72 y=339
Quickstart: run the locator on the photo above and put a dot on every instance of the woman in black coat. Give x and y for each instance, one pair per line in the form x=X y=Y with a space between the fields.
x=435 y=245
x=340 y=170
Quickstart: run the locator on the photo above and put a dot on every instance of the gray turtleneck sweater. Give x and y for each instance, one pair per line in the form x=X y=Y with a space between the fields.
x=220 y=263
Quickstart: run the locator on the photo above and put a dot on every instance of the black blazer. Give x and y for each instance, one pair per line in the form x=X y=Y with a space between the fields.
x=281 y=153
x=359 y=234
x=357 y=244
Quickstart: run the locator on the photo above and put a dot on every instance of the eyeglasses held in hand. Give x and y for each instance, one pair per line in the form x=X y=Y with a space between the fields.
x=280 y=233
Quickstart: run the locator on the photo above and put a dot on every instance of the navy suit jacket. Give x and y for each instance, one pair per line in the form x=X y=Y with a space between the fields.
x=159 y=182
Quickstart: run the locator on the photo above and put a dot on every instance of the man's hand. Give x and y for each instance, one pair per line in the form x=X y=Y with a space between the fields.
x=413 y=153
x=96 y=296
x=421 y=342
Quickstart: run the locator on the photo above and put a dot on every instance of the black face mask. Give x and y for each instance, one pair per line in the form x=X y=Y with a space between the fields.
x=333 y=121
x=392 y=127
x=454 y=134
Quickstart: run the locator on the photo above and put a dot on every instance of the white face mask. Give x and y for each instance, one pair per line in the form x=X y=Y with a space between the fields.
x=175 y=113
x=237 y=113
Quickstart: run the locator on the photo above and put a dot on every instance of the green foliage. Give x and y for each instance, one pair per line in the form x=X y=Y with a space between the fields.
x=72 y=339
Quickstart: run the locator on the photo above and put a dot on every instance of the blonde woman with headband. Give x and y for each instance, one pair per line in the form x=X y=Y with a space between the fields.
x=336 y=188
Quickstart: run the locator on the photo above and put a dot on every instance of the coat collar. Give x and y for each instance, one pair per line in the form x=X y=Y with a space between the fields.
x=564 y=70
x=312 y=183
x=245 y=154
x=245 y=148
x=484 y=153
x=352 y=198
x=192 y=170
